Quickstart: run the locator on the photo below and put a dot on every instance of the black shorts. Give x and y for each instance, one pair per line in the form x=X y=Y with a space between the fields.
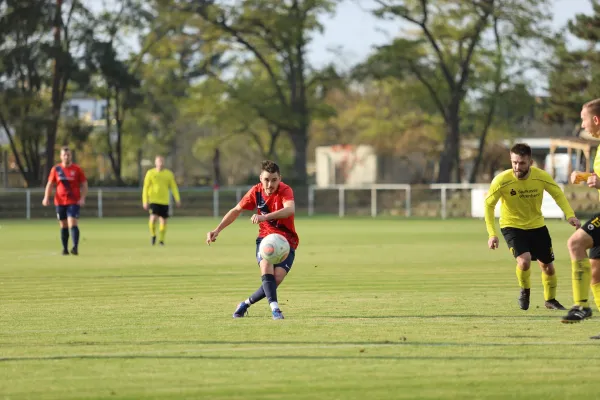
x=592 y=228
x=535 y=241
x=162 y=210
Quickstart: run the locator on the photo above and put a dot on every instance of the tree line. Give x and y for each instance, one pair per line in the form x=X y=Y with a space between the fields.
x=230 y=82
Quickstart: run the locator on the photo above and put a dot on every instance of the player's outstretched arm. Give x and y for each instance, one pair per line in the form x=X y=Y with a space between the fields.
x=225 y=222
x=561 y=200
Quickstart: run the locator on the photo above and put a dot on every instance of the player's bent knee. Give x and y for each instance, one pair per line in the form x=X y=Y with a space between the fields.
x=579 y=242
x=524 y=261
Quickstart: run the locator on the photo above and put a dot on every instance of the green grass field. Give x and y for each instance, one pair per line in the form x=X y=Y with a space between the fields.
x=375 y=309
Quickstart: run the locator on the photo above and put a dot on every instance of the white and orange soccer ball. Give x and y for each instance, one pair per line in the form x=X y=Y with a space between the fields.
x=274 y=248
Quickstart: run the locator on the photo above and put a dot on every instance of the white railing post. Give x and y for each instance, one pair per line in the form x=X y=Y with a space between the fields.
x=28 y=204
x=444 y=199
x=99 y=203
x=238 y=195
x=311 y=201
x=408 y=201
x=341 y=201
x=373 y=202
x=216 y=202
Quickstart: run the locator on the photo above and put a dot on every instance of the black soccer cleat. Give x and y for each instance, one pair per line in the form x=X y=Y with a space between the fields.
x=75 y=251
x=153 y=240
x=65 y=252
x=554 y=305
x=595 y=337
x=161 y=243
x=577 y=314
x=524 y=299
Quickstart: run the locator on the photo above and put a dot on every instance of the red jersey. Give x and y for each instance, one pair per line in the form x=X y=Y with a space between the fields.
x=256 y=199
x=68 y=181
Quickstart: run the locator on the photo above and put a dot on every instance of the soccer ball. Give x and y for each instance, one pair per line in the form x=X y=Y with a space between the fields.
x=274 y=248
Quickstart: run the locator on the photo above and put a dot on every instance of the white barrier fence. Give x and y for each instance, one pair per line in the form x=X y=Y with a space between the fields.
x=437 y=201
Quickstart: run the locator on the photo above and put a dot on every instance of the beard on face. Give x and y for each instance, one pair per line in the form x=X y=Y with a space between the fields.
x=521 y=174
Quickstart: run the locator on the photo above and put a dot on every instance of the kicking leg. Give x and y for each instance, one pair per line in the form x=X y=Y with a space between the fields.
x=242 y=309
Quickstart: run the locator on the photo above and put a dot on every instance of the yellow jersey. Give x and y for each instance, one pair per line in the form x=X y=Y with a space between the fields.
x=156 y=187
x=522 y=200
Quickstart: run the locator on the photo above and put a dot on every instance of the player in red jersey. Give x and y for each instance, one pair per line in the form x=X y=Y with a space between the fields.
x=71 y=189
x=274 y=201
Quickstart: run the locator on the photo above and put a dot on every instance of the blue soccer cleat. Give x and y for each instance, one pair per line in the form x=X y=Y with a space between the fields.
x=277 y=314
x=241 y=311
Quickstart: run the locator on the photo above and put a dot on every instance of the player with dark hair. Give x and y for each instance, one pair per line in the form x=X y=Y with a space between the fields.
x=586 y=268
x=522 y=223
x=71 y=190
x=274 y=202
x=155 y=198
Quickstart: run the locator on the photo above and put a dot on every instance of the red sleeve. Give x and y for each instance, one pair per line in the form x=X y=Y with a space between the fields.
x=52 y=176
x=248 y=202
x=82 y=178
x=287 y=194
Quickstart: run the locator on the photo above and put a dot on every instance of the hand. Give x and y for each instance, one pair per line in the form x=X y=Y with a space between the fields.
x=574 y=222
x=211 y=237
x=493 y=242
x=257 y=219
x=81 y=201
x=45 y=202
x=178 y=204
x=593 y=181
x=145 y=205
x=575 y=177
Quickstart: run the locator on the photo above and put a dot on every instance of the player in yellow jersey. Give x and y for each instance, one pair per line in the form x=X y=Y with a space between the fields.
x=586 y=268
x=155 y=197
x=522 y=223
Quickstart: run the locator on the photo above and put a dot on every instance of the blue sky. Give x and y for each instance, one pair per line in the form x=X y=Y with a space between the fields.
x=352 y=31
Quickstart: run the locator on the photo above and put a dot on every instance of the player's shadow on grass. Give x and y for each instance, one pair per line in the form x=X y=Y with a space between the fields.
x=553 y=316
x=361 y=356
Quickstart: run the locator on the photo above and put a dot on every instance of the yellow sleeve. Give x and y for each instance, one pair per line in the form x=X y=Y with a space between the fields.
x=145 y=194
x=174 y=188
x=489 y=206
x=559 y=196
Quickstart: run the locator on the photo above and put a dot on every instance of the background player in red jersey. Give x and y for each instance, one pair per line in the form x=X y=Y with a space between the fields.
x=274 y=202
x=71 y=189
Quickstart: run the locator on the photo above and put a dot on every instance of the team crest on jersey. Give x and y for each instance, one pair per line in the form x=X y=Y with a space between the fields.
x=72 y=173
x=513 y=192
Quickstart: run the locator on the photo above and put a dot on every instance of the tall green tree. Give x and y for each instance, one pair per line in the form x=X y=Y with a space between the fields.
x=574 y=77
x=40 y=48
x=268 y=41
x=451 y=40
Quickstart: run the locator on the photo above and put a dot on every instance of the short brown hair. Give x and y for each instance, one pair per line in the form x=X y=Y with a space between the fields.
x=270 y=167
x=65 y=148
x=593 y=107
x=521 y=149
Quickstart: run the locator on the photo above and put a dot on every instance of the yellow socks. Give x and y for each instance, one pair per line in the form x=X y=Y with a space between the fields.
x=524 y=278
x=549 y=282
x=596 y=292
x=581 y=279
x=152 y=227
x=162 y=231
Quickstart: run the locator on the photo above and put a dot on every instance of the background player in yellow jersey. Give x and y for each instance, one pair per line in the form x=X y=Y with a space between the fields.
x=522 y=223
x=155 y=196
x=586 y=269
